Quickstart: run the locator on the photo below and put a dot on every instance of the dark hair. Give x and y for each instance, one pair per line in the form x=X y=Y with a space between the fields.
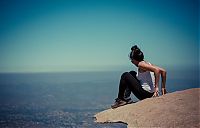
x=136 y=53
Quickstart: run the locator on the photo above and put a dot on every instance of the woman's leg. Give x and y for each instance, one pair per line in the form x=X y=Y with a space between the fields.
x=128 y=80
x=122 y=87
x=127 y=93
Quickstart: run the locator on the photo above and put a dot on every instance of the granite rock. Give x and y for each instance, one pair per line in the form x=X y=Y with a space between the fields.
x=177 y=109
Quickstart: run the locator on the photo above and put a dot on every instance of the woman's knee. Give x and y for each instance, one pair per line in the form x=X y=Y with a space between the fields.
x=124 y=75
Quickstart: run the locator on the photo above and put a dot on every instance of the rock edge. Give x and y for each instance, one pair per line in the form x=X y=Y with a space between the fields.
x=177 y=109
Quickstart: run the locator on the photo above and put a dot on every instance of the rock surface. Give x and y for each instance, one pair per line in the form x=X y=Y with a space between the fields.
x=178 y=109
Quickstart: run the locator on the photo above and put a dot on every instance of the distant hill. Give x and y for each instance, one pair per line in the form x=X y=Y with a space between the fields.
x=178 y=109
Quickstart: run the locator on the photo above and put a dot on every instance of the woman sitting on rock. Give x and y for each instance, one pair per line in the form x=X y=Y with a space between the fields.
x=144 y=85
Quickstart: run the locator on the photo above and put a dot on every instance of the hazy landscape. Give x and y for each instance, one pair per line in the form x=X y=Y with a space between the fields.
x=62 y=99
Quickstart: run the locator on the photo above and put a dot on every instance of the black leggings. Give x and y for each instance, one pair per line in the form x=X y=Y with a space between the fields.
x=129 y=81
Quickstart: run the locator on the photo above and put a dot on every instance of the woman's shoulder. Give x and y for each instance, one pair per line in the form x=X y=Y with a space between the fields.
x=141 y=66
x=145 y=65
x=142 y=63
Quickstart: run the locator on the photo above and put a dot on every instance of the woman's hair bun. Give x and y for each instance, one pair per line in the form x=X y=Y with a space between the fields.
x=134 y=47
x=136 y=53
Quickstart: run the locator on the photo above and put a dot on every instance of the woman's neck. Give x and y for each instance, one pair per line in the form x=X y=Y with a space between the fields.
x=135 y=62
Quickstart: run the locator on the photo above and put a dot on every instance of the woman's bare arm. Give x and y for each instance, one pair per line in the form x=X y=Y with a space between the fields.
x=157 y=72
x=163 y=76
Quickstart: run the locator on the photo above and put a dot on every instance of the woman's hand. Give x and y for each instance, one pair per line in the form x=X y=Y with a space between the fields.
x=156 y=92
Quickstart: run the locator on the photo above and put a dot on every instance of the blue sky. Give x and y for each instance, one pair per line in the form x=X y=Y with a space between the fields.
x=90 y=35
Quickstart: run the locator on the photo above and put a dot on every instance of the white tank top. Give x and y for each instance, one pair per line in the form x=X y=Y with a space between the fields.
x=147 y=80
